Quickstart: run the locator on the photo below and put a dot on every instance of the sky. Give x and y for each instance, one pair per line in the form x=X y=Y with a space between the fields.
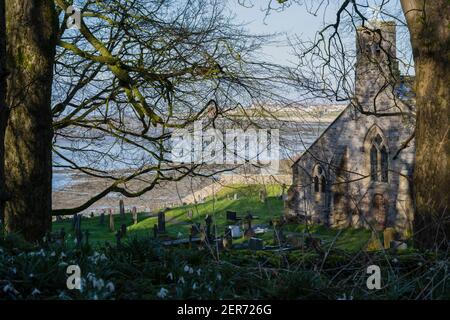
x=290 y=22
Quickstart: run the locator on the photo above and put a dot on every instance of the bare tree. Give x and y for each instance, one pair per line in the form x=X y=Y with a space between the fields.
x=31 y=28
x=135 y=72
x=3 y=110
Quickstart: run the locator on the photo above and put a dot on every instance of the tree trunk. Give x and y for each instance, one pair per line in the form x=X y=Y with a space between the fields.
x=31 y=28
x=429 y=26
x=3 y=110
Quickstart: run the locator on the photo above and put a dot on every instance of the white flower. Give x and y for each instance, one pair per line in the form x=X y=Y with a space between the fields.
x=199 y=271
x=14 y=270
x=10 y=288
x=63 y=264
x=62 y=255
x=162 y=293
x=35 y=292
x=181 y=280
x=194 y=286
x=394 y=260
x=170 y=276
x=52 y=254
x=110 y=286
x=179 y=235
x=219 y=276
x=186 y=268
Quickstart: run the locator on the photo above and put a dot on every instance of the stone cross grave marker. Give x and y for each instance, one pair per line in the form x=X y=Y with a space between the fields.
x=161 y=222
x=135 y=215
x=102 y=218
x=111 y=220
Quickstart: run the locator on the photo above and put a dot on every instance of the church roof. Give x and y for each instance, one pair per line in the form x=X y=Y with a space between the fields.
x=321 y=135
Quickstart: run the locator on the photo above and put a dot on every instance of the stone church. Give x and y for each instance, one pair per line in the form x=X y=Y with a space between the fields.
x=358 y=172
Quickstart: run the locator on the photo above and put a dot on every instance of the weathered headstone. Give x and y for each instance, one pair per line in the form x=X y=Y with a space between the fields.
x=235 y=197
x=235 y=231
x=190 y=214
x=111 y=221
x=161 y=222
x=255 y=244
x=262 y=196
x=231 y=215
x=102 y=218
x=135 y=216
x=122 y=209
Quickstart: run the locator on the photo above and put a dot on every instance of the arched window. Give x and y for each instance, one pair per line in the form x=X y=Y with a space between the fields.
x=316 y=184
x=319 y=180
x=379 y=164
x=323 y=184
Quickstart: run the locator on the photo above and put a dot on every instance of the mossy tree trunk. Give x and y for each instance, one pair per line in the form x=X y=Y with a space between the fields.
x=429 y=26
x=3 y=110
x=31 y=30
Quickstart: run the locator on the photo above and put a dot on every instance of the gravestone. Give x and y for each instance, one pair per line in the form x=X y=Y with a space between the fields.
x=235 y=197
x=190 y=214
x=135 y=216
x=262 y=196
x=122 y=209
x=111 y=221
x=123 y=229
x=102 y=218
x=92 y=214
x=231 y=215
x=255 y=244
x=235 y=231
x=161 y=222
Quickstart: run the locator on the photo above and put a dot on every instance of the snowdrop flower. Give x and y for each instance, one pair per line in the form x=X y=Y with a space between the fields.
x=62 y=255
x=14 y=270
x=35 y=292
x=194 y=286
x=394 y=260
x=219 y=276
x=186 y=268
x=199 y=271
x=209 y=289
x=63 y=264
x=181 y=280
x=162 y=293
x=110 y=286
x=10 y=288
x=179 y=235
x=170 y=276
x=52 y=254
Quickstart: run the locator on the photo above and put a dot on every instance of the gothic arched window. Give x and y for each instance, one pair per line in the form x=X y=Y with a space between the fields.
x=320 y=182
x=379 y=164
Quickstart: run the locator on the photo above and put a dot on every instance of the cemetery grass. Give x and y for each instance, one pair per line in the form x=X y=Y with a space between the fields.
x=178 y=224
